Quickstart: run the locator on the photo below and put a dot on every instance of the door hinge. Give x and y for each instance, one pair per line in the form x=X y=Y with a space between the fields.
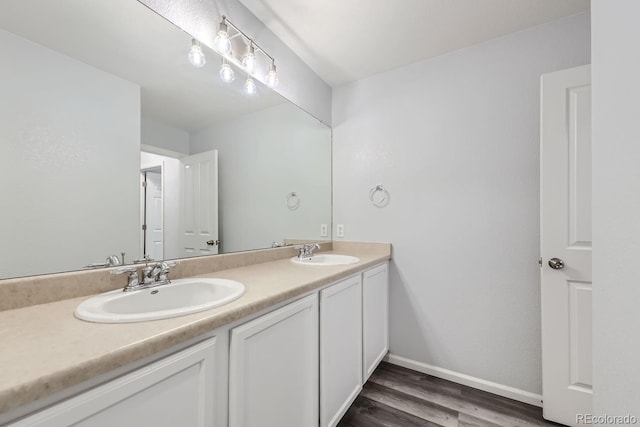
x=144 y=184
x=540 y=262
x=144 y=227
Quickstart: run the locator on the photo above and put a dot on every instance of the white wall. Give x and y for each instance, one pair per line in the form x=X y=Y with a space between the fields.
x=616 y=210
x=70 y=178
x=298 y=82
x=455 y=141
x=164 y=136
x=262 y=157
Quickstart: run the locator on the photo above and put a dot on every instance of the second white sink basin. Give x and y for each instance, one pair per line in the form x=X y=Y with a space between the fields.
x=326 y=259
x=181 y=296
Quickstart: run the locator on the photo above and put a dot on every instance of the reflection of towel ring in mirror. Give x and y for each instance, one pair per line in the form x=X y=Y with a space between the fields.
x=293 y=201
x=379 y=196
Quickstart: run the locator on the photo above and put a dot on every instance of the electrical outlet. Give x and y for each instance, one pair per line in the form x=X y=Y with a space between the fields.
x=340 y=230
x=324 y=230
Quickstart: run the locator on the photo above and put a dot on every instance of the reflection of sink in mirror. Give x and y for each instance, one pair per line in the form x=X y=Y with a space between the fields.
x=326 y=259
x=182 y=296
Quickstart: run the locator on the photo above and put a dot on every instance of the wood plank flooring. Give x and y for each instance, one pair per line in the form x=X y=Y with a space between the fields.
x=396 y=396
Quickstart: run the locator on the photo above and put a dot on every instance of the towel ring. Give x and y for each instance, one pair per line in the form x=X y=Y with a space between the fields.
x=379 y=196
x=293 y=201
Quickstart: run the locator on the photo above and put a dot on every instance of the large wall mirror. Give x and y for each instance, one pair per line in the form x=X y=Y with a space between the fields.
x=111 y=143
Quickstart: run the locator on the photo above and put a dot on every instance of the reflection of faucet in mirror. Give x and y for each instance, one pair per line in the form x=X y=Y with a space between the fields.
x=276 y=244
x=111 y=261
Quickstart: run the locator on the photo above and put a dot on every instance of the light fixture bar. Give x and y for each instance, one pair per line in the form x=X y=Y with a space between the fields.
x=247 y=39
x=248 y=62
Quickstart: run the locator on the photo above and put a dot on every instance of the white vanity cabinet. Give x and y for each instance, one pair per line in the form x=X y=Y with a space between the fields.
x=375 y=317
x=177 y=390
x=273 y=368
x=340 y=348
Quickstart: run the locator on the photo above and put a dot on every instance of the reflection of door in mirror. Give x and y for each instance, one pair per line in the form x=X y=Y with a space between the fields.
x=170 y=225
x=152 y=210
x=199 y=204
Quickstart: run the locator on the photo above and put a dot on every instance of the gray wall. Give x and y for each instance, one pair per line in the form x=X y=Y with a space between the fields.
x=616 y=210
x=455 y=141
x=298 y=82
x=164 y=136
x=63 y=204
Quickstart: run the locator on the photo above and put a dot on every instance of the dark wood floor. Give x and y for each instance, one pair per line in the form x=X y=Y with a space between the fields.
x=396 y=396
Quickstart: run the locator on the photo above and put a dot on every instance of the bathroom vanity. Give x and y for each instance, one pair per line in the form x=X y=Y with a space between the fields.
x=294 y=350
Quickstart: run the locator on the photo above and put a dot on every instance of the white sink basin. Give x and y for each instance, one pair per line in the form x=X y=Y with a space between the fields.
x=181 y=296
x=326 y=259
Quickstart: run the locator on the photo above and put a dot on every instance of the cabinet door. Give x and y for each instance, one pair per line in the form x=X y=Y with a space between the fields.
x=340 y=348
x=273 y=368
x=175 y=391
x=375 y=317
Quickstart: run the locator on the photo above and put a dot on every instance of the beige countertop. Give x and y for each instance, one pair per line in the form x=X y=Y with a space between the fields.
x=45 y=349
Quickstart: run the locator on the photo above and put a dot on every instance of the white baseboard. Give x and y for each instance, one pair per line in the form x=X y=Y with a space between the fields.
x=468 y=380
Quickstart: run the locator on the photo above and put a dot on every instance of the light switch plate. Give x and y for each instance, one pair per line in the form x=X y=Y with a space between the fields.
x=340 y=230
x=324 y=230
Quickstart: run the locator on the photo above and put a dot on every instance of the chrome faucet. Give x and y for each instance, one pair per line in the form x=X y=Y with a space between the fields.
x=306 y=250
x=156 y=275
x=152 y=275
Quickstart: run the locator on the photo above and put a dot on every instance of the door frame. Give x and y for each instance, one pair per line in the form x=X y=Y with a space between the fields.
x=150 y=167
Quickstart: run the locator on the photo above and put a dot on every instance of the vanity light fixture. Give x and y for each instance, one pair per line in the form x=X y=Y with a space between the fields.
x=222 y=43
x=196 y=56
x=252 y=60
x=226 y=72
x=250 y=86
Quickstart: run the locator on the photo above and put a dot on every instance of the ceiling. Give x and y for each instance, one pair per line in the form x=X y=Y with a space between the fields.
x=347 y=40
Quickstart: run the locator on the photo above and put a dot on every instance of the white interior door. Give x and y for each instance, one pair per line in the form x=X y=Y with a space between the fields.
x=154 y=211
x=566 y=244
x=199 y=204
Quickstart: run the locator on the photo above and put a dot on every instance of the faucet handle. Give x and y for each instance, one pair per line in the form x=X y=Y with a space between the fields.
x=123 y=270
x=133 y=281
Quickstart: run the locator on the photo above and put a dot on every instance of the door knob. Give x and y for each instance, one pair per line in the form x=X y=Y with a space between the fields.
x=213 y=242
x=556 y=263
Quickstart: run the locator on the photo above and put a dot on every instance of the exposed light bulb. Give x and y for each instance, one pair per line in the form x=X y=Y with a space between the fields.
x=250 y=86
x=222 y=43
x=226 y=72
x=271 y=79
x=196 y=56
x=249 y=59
